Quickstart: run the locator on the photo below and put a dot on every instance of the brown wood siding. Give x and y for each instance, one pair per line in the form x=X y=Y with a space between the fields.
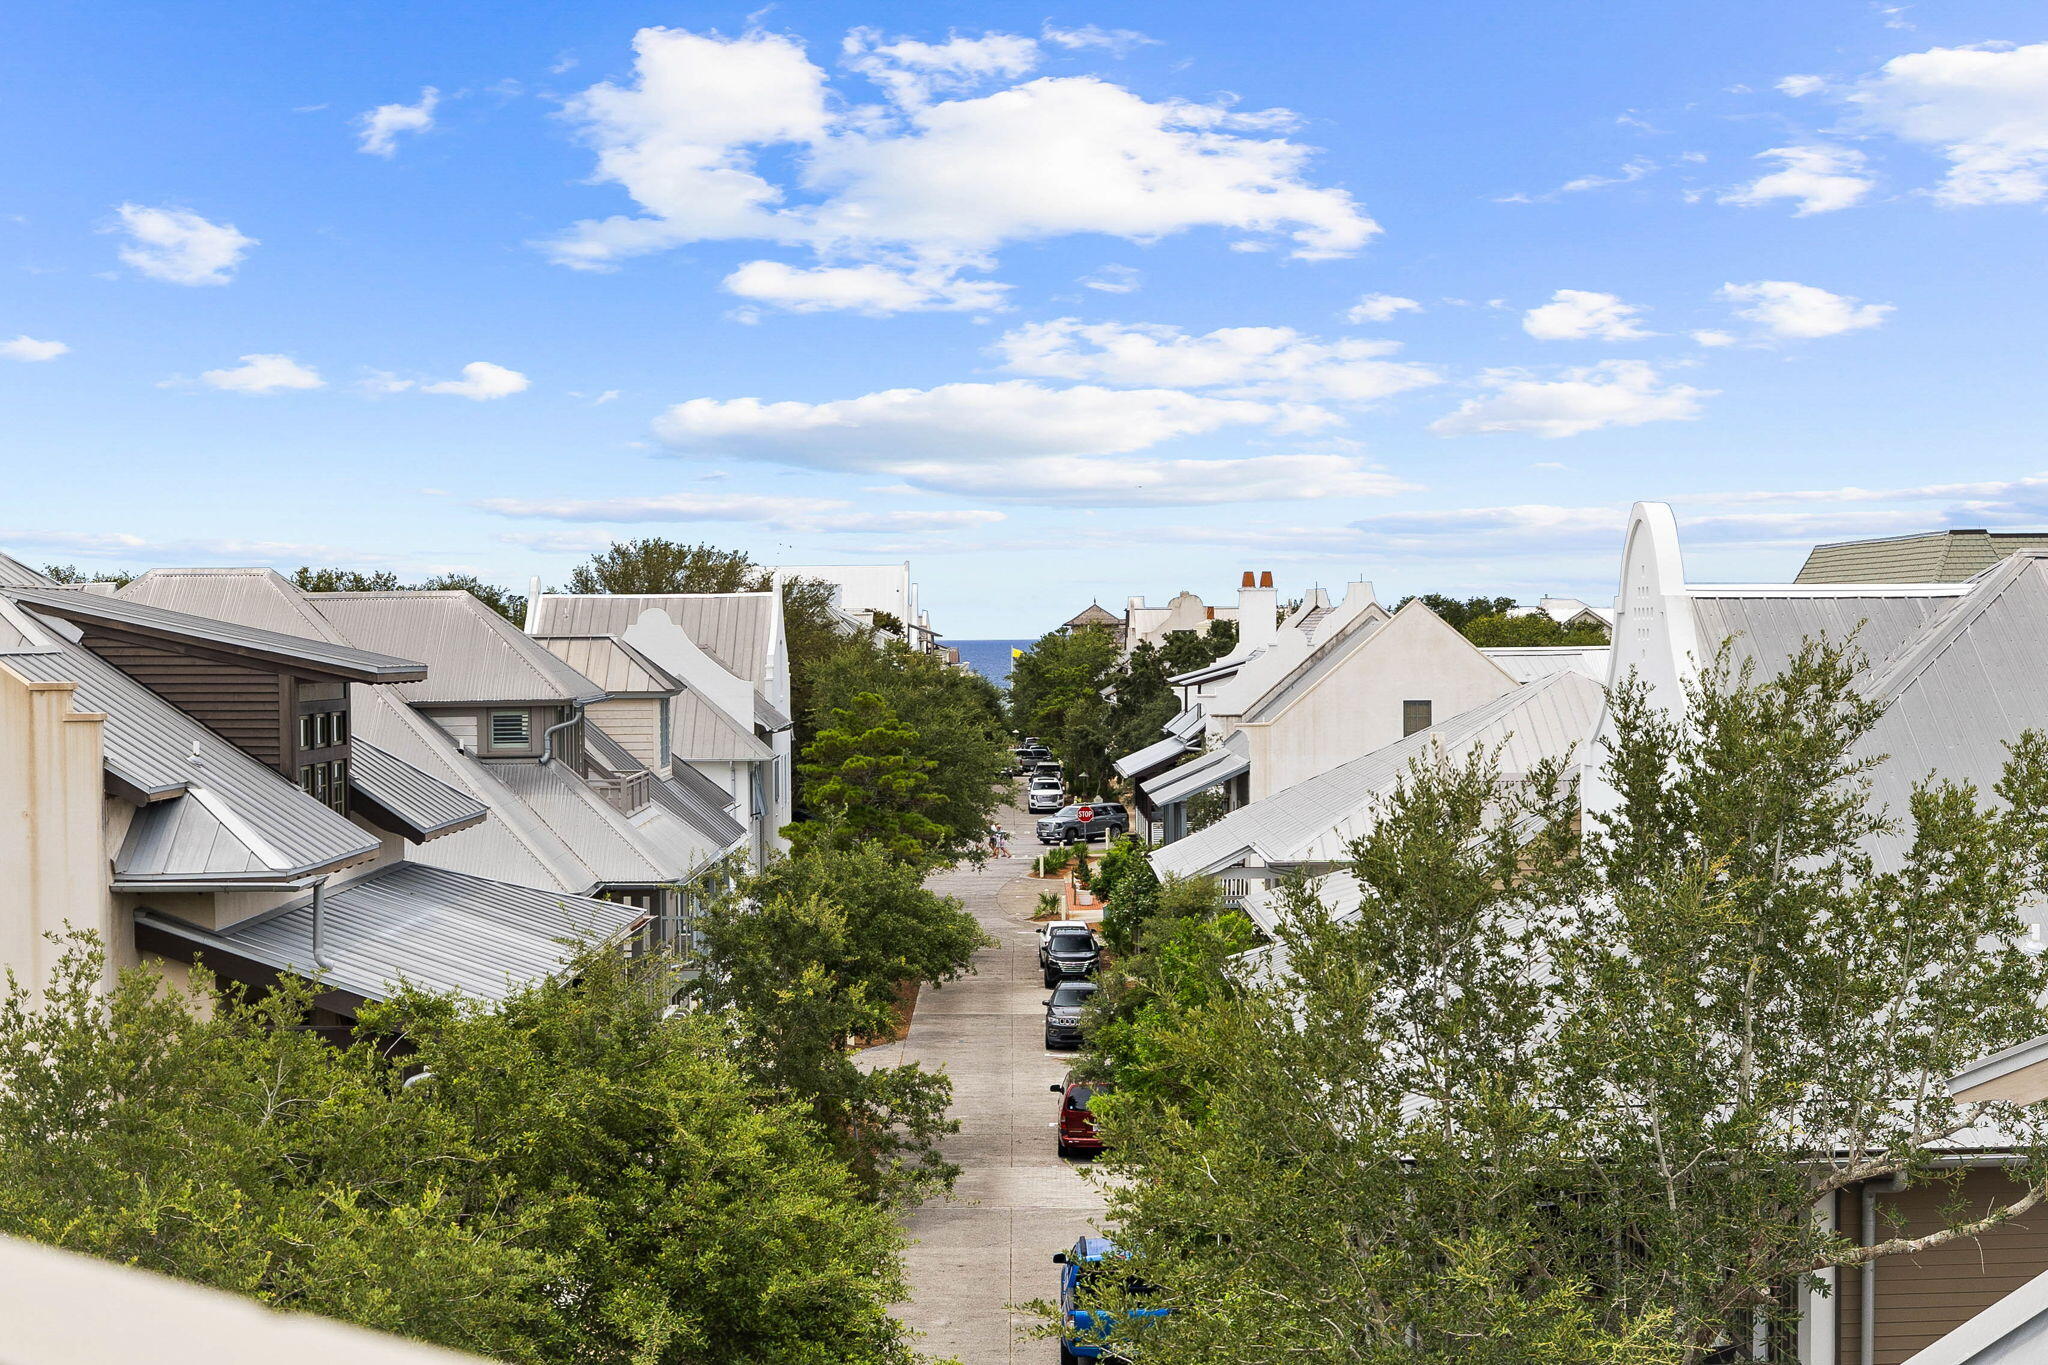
x=1922 y=1298
x=635 y=723
x=243 y=704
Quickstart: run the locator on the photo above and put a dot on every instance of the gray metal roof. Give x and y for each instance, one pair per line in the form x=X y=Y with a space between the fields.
x=324 y=656
x=428 y=807
x=1767 y=630
x=611 y=663
x=702 y=812
x=1222 y=668
x=705 y=787
x=734 y=628
x=1149 y=759
x=1316 y=819
x=185 y=839
x=1324 y=657
x=769 y=716
x=425 y=926
x=700 y=730
x=1529 y=664
x=149 y=745
x=263 y=598
x=1212 y=769
x=15 y=574
x=1187 y=724
x=472 y=653
x=635 y=851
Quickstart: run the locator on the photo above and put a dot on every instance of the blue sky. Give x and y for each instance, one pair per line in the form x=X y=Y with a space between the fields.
x=1056 y=306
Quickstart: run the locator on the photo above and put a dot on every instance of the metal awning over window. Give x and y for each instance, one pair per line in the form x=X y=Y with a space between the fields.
x=1212 y=769
x=1150 y=759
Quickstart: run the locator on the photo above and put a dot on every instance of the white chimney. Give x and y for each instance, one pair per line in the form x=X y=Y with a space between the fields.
x=1258 y=622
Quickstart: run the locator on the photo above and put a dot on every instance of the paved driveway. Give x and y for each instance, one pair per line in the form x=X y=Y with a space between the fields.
x=1016 y=1203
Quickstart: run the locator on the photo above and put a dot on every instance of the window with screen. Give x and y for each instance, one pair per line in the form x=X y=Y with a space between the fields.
x=1414 y=716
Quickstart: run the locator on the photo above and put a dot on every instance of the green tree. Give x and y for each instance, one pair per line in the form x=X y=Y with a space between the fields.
x=1057 y=692
x=309 y=579
x=786 y=972
x=508 y=604
x=1145 y=699
x=654 y=564
x=1455 y=612
x=71 y=573
x=868 y=781
x=1527 y=1104
x=505 y=602
x=1534 y=630
x=574 y=1177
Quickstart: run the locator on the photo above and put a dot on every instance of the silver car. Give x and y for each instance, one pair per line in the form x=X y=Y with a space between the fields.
x=1063 y=1013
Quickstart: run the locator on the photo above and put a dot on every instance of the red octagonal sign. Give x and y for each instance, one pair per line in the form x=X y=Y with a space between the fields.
x=1085 y=814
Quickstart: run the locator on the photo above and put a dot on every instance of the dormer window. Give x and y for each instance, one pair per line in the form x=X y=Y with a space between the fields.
x=512 y=730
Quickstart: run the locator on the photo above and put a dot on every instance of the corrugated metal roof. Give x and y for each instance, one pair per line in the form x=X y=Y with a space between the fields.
x=769 y=716
x=15 y=574
x=425 y=926
x=1148 y=760
x=702 y=812
x=429 y=807
x=708 y=788
x=733 y=628
x=472 y=653
x=700 y=730
x=263 y=598
x=1315 y=820
x=515 y=843
x=149 y=745
x=619 y=849
x=1768 y=631
x=611 y=663
x=1527 y=665
x=1217 y=766
x=323 y=656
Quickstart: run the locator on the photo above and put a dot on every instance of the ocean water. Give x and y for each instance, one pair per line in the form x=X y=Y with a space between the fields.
x=990 y=658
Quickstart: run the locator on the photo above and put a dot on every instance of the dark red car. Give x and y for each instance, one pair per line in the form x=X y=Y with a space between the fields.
x=1077 y=1126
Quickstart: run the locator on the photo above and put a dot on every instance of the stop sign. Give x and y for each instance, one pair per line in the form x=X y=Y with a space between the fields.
x=1085 y=814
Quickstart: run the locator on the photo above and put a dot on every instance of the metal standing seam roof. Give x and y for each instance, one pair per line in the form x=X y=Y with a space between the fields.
x=15 y=574
x=633 y=850
x=1222 y=668
x=1316 y=819
x=1151 y=758
x=431 y=808
x=263 y=598
x=769 y=716
x=612 y=664
x=514 y=843
x=425 y=926
x=150 y=746
x=733 y=628
x=1187 y=724
x=324 y=656
x=702 y=812
x=473 y=654
x=704 y=786
x=1768 y=630
x=1529 y=664
x=701 y=731
x=1212 y=769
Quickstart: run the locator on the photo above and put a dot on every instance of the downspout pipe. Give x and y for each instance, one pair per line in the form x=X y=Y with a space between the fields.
x=319 y=957
x=547 y=736
x=1867 y=1310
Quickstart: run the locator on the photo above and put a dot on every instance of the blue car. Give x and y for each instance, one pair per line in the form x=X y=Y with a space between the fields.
x=1089 y=1333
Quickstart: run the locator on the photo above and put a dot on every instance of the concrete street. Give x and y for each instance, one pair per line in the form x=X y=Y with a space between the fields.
x=990 y=1246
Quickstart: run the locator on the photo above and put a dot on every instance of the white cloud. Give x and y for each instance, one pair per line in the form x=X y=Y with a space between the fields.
x=791 y=514
x=28 y=348
x=1821 y=178
x=1614 y=393
x=1067 y=480
x=1984 y=108
x=1114 y=279
x=1117 y=40
x=872 y=289
x=1715 y=337
x=264 y=374
x=931 y=184
x=997 y=422
x=1243 y=362
x=1799 y=86
x=380 y=127
x=1635 y=168
x=481 y=380
x=1380 y=308
x=1582 y=314
x=1801 y=311
x=178 y=246
x=911 y=72
x=127 y=548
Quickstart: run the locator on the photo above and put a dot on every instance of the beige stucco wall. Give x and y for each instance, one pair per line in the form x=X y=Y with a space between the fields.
x=1356 y=707
x=53 y=862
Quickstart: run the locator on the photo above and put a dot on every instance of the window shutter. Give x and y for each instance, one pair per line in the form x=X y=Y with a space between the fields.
x=511 y=729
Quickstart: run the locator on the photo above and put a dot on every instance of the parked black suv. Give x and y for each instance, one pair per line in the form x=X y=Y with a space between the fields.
x=1070 y=950
x=1066 y=826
